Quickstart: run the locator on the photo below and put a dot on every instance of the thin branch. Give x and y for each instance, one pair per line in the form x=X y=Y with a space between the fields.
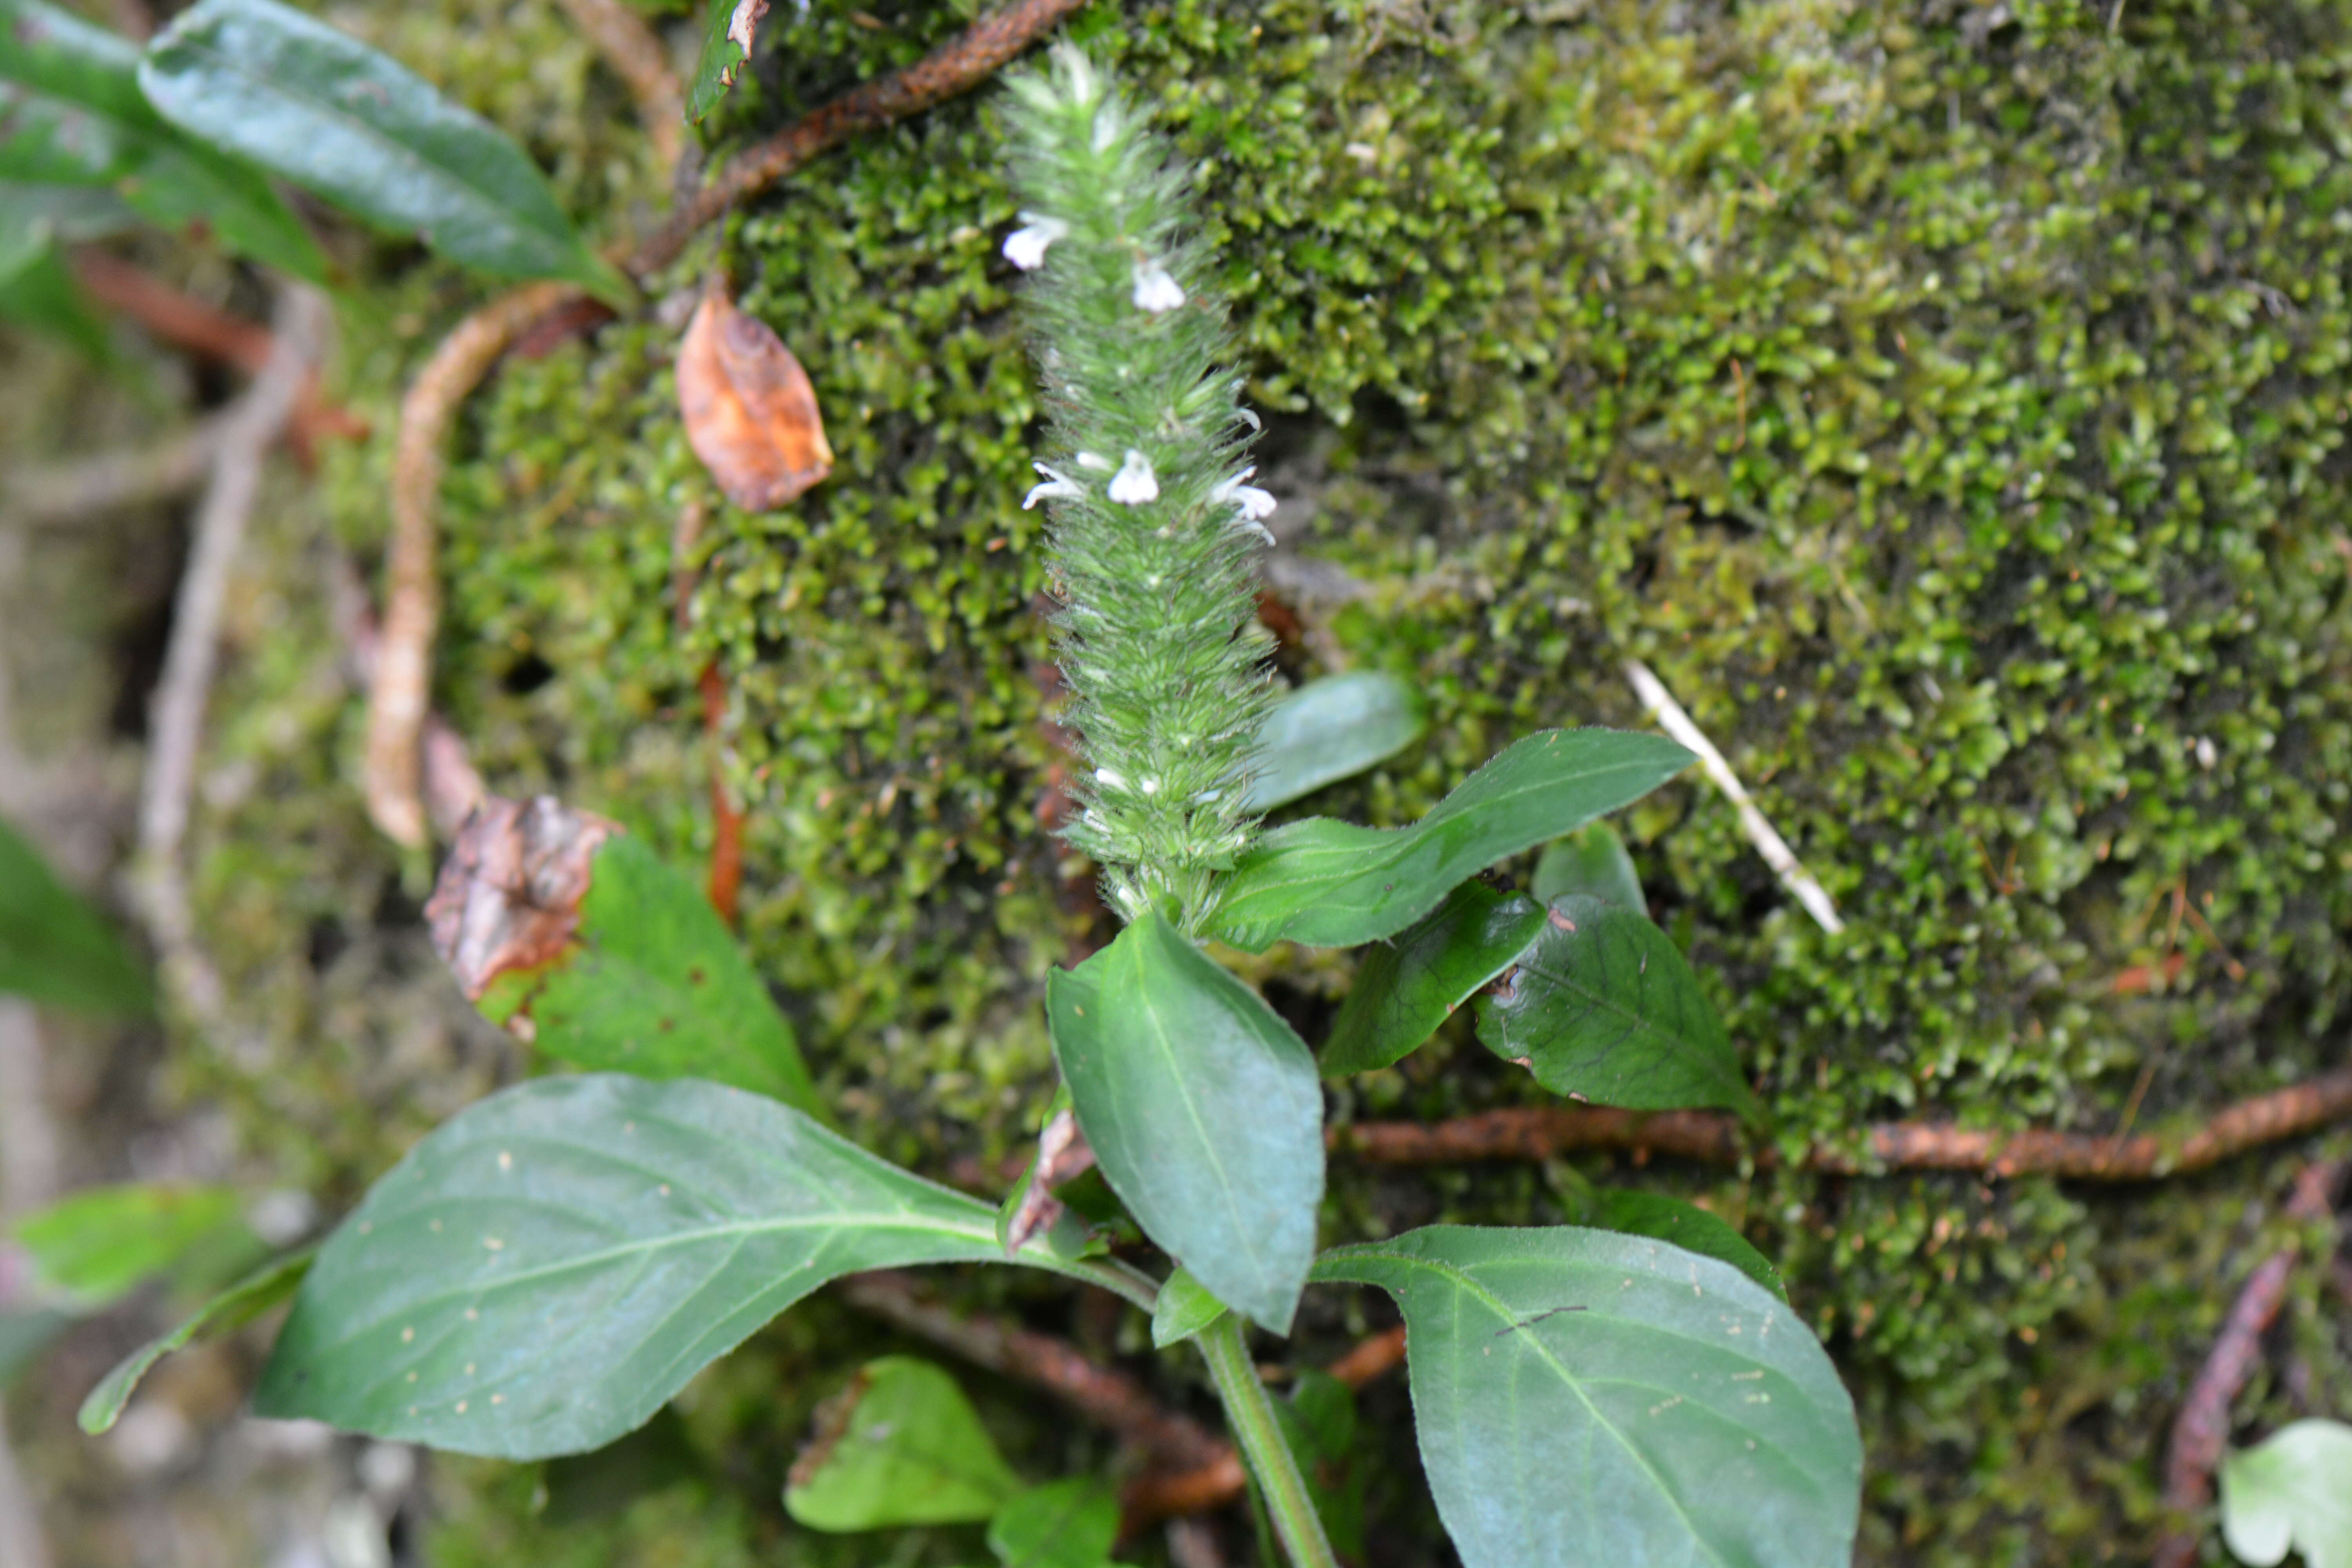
x=1541 y=1132
x=635 y=51
x=105 y=482
x=176 y=714
x=412 y=601
x=2201 y=1429
x=1662 y=706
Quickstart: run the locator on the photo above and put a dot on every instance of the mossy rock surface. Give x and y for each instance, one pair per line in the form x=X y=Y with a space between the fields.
x=1946 y=401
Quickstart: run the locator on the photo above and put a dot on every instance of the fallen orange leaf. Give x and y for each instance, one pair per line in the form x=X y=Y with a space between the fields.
x=751 y=413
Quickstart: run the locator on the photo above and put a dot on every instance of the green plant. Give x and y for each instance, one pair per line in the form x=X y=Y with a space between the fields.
x=541 y=1274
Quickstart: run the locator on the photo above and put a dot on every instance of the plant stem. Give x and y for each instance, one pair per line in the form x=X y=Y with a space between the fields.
x=1251 y=1416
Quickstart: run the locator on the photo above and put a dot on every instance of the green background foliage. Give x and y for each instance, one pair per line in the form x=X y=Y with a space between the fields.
x=1944 y=400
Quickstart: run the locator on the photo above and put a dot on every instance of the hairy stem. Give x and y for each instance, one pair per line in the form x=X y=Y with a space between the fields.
x=1250 y=1414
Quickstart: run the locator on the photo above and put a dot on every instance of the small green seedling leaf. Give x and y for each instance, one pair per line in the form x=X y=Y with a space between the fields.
x=1063 y=1524
x=1688 y=1227
x=266 y=82
x=1323 y=883
x=654 y=983
x=1329 y=730
x=2292 y=1490
x=1183 y=1309
x=1203 y=1110
x=1408 y=986
x=900 y=1446
x=234 y=1308
x=101 y=1243
x=1591 y=860
x=729 y=29
x=81 y=116
x=1601 y=1007
x=548 y=1267
x=55 y=948
x=1586 y=1400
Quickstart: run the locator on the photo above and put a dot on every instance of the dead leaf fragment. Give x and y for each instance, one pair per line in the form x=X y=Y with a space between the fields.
x=508 y=895
x=743 y=27
x=751 y=413
x=1063 y=1153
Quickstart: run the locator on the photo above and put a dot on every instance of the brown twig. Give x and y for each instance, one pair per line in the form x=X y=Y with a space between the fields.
x=1540 y=1132
x=412 y=601
x=2201 y=1429
x=412 y=607
x=631 y=47
x=725 y=820
x=177 y=713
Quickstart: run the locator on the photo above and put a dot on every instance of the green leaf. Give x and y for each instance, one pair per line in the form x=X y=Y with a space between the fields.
x=1633 y=1213
x=55 y=948
x=44 y=138
x=720 y=62
x=1203 y=1111
x=83 y=82
x=1183 y=1309
x=549 y=1267
x=1406 y=986
x=1330 y=729
x=901 y=1446
x=1064 y=1524
x=2293 y=1489
x=655 y=985
x=103 y=1242
x=41 y=294
x=1602 y=1008
x=263 y=80
x=234 y=1308
x=1587 y=1400
x=1332 y=884
x=1590 y=860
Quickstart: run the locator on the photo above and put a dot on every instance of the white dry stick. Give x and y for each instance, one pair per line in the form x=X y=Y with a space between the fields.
x=176 y=714
x=1775 y=849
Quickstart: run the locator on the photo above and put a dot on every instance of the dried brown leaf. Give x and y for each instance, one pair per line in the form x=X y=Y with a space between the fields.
x=508 y=895
x=751 y=413
x=1062 y=1153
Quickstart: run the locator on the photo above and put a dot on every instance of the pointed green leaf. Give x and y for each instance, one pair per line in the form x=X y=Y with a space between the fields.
x=1183 y=1309
x=103 y=1242
x=2292 y=1490
x=56 y=949
x=1203 y=1110
x=1332 y=884
x=1590 y=860
x=1601 y=1007
x=721 y=61
x=1063 y=1524
x=1633 y=1213
x=544 y=1270
x=84 y=80
x=655 y=985
x=901 y=1446
x=1408 y=986
x=1586 y=1400
x=1330 y=729
x=232 y=1308
x=268 y=83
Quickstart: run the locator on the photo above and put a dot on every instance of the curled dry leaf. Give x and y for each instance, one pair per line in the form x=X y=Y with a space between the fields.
x=751 y=413
x=508 y=895
x=1062 y=1153
x=743 y=27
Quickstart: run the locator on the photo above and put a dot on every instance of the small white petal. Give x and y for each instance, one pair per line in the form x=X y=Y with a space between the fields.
x=1025 y=247
x=1154 y=290
x=1250 y=419
x=1106 y=777
x=1135 y=482
x=1256 y=505
x=1052 y=490
x=1093 y=461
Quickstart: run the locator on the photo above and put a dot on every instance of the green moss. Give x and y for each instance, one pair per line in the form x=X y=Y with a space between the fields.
x=1947 y=407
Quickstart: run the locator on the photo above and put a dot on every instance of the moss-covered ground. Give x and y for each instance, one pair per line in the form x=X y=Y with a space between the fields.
x=1946 y=399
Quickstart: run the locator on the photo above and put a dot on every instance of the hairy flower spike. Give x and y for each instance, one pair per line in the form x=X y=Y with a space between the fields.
x=1156 y=635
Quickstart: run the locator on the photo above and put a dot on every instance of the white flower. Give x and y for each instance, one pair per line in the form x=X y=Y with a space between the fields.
x=1093 y=461
x=1250 y=419
x=1254 y=504
x=1134 y=483
x=1025 y=247
x=1057 y=487
x=1108 y=779
x=1154 y=290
